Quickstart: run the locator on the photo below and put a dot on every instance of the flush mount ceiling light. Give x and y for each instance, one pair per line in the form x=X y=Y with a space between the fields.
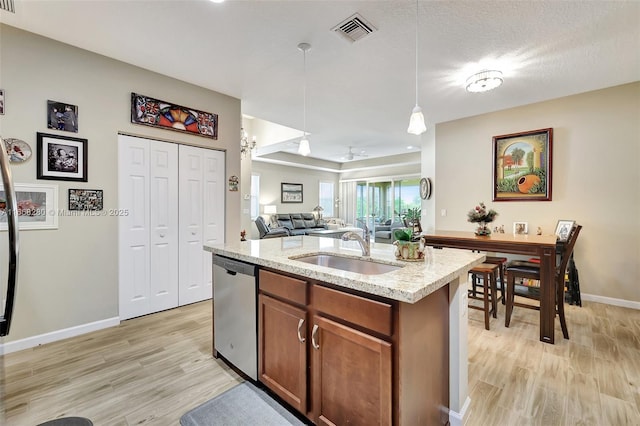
x=484 y=81
x=416 y=121
x=304 y=148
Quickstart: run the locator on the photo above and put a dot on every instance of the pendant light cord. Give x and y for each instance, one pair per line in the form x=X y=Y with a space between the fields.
x=416 y=52
x=304 y=93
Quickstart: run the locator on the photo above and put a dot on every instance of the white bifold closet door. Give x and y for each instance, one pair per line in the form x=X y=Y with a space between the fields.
x=148 y=234
x=174 y=195
x=201 y=213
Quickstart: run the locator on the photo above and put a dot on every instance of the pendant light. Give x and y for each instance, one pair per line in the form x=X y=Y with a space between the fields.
x=416 y=121
x=304 y=148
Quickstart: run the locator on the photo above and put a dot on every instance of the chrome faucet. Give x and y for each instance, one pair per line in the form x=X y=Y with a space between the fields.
x=365 y=240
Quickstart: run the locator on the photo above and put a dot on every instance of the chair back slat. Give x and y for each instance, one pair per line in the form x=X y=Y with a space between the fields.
x=568 y=249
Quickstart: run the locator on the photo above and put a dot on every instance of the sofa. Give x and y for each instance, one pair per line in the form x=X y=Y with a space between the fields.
x=299 y=223
x=384 y=233
x=267 y=231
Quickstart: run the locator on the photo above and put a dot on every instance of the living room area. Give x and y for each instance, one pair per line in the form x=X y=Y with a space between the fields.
x=299 y=199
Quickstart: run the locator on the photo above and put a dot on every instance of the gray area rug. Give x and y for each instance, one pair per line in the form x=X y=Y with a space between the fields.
x=242 y=405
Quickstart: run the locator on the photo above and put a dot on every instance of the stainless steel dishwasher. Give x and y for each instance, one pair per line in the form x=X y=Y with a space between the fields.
x=234 y=313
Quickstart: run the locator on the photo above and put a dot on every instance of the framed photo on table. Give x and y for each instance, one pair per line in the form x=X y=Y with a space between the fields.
x=563 y=229
x=522 y=166
x=291 y=192
x=61 y=158
x=520 y=228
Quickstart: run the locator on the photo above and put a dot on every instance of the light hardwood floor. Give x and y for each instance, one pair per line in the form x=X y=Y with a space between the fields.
x=153 y=369
x=148 y=370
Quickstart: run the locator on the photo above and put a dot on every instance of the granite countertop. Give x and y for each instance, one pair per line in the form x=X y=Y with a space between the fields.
x=412 y=282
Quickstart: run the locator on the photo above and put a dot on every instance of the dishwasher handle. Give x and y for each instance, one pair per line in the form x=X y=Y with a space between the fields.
x=233 y=266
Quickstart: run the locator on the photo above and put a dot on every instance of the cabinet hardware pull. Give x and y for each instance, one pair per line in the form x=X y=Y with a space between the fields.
x=313 y=337
x=300 y=338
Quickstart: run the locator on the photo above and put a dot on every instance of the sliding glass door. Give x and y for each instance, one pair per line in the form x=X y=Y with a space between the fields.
x=380 y=203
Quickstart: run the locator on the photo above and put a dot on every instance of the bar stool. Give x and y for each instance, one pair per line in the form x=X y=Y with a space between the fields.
x=502 y=262
x=488 y=272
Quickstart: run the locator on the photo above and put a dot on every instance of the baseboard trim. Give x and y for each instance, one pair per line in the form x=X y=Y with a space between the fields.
x=54 y=336
x=610 y=301
x=460 y=419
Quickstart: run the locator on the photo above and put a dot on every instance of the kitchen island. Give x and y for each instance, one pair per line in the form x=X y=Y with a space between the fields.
x=391 y=346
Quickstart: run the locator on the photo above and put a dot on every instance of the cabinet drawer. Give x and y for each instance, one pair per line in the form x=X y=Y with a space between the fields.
x=374 y=315
x=288 y=288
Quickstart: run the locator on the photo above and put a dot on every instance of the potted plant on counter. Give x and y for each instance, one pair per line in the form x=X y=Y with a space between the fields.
x=406 y=249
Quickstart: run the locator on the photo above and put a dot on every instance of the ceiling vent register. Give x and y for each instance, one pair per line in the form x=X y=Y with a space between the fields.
x=354 y=28
x=7 y=5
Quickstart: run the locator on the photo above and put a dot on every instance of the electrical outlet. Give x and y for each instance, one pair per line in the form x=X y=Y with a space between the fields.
x=443 y=212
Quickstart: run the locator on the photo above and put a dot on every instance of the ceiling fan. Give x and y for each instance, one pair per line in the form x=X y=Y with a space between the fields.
x=351 y=155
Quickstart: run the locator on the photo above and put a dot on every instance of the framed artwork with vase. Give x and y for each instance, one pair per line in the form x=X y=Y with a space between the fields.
x=522 y=166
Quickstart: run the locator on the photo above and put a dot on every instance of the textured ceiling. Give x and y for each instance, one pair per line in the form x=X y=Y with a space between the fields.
x=358 y=94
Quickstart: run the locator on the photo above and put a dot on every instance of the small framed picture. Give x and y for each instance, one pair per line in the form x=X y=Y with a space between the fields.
x=37 y=206
x=2 y=102
x=85 y=199
x=61 y=158
x=291 y=192
x=520 y=228
x=61 y=116
x=563 y=229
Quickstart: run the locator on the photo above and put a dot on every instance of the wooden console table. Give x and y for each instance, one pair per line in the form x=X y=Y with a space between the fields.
x=542 y=246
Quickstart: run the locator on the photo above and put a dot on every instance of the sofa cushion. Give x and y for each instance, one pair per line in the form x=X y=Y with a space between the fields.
x=309 y=220
x=298 y=224
x=284 y=220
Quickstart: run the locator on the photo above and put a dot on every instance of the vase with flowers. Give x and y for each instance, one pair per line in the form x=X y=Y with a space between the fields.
x=482 y=216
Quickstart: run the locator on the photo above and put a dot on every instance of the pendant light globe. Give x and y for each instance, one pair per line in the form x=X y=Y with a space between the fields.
x=416 y=121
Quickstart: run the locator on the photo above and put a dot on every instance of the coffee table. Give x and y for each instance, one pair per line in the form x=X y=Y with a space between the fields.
x=330 y=233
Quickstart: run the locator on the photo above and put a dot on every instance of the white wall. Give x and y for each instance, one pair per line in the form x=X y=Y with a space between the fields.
x=69 y=276
x=596 y=179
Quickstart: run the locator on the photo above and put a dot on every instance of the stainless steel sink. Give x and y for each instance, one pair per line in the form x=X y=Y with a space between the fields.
x=359 y=266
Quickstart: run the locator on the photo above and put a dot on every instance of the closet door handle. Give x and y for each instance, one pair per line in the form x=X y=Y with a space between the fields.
x=300 y=324
x=313 y=337
x=162 y=235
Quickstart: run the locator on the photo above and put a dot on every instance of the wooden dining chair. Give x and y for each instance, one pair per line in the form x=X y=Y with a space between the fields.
x=531 y=270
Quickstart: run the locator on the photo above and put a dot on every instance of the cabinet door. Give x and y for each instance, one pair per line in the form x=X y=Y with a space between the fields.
x=163 y=163
x=191 y=287
x=148 y=234
x=213 y=209
x=134 y=228
x=351 y=376
x=282 y=350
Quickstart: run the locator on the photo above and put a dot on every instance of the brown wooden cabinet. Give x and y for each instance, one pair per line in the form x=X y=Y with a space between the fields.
x=351 y=376
x=283 y=361
x=282 y=331
x=344 y=358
